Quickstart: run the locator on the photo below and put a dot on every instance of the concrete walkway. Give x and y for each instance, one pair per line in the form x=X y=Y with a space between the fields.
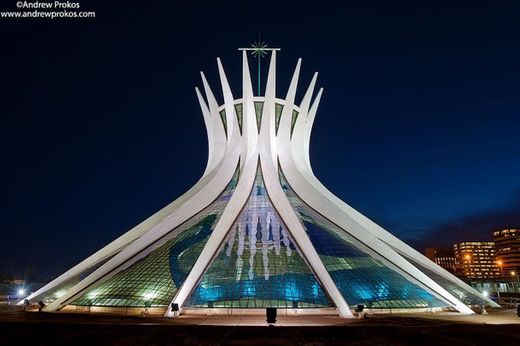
x=493 y=317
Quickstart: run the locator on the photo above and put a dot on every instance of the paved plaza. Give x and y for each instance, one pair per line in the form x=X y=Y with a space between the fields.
x=498 y=327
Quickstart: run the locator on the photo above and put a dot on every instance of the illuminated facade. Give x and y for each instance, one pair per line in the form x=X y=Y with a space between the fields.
x=476 y=259
x=507 y=243
x=257 y=230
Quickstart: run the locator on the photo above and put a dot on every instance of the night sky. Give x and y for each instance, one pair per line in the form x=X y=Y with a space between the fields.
x=418 y=128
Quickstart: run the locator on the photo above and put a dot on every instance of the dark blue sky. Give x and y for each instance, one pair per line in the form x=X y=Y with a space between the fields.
x=418 y=128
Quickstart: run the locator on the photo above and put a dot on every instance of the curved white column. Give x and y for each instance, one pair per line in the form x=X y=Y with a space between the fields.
x=215 y=129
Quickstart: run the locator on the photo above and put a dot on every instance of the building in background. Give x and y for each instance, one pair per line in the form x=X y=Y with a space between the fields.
x=476 y=260
x=507 y=243
x=444 y=257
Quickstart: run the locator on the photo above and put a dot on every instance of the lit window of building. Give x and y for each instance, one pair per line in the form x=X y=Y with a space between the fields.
x=507 y=243
x=476 y=260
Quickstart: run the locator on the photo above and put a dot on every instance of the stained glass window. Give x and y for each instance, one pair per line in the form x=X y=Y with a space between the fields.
x=154 y=279
x=362 y=276
x=238 y=111
x=224 y=121
x=259 y=108
x=278 y=114
x=258 y=265
x=293 y=120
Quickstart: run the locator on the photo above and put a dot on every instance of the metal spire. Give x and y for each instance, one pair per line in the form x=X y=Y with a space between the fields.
x=259 y=50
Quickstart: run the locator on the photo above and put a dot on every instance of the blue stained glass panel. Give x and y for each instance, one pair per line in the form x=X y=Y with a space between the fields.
x=258 y=265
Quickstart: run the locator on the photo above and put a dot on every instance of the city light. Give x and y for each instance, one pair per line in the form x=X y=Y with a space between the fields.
x=21 y=292
x=513 y=273
x=485 y=294
x=499 y=262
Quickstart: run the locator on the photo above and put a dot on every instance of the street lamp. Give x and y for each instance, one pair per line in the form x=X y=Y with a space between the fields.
x=467 y=257
x=515 y=274
x=500 y=263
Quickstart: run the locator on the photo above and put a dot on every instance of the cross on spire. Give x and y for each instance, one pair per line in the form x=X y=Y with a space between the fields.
x=259 y=50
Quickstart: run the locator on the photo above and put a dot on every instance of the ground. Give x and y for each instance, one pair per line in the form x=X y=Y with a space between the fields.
x=499 y=327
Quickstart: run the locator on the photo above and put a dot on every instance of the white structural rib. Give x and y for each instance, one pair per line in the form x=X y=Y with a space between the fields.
x=249 y=125
x=215 y=128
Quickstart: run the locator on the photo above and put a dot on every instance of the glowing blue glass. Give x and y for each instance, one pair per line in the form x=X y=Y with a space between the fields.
x=259 y=264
